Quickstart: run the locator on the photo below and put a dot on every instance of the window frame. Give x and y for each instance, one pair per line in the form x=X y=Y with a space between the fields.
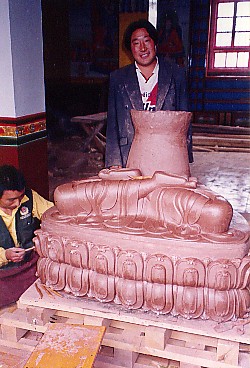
x=212 y=49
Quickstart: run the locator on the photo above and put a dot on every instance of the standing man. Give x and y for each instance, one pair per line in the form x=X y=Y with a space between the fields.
x=150 y=83
x=20 y=212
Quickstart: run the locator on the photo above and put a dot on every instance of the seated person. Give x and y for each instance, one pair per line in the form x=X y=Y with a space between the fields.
x=20 y=212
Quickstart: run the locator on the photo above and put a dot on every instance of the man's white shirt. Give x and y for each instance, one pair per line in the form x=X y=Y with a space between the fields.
x=148 y=88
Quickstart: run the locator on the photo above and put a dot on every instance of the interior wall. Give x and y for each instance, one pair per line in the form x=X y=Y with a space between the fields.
x=55 y=23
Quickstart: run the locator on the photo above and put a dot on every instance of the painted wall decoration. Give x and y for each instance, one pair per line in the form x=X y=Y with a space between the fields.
x=94 y=37
x=14 y=131
x=173 y=28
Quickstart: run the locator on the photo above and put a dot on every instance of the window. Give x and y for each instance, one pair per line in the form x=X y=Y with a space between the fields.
x=229 y=38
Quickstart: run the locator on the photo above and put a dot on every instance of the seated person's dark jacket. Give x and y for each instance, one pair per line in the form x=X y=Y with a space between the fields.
x=26 y=224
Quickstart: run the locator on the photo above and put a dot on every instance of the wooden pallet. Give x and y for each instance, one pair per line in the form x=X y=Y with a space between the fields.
x=133 y=338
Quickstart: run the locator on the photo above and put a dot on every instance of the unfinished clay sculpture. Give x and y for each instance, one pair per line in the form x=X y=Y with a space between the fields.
x=162 y=204
x=148 y=236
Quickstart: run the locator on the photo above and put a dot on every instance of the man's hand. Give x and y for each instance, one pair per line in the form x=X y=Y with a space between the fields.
x=15 y=254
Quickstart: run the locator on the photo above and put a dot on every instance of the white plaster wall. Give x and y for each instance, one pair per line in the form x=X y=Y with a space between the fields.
x=152 y=12
x=27 y=72
x=7 y=104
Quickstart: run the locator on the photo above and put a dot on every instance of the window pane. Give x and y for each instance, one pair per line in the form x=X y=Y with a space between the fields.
x=242 y=24
x=242 y=39
x=243 y=58
x=243 y=8
x=229 y=42
x=223 y=39
x=225 y=25
x=226 y=9
x=231 y=59
x=220 y=60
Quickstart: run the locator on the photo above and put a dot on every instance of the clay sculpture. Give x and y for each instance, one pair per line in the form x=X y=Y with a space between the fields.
x=148 y=236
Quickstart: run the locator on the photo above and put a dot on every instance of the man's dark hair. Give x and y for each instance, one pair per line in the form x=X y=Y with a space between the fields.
x=141 y=23
x=11 y=179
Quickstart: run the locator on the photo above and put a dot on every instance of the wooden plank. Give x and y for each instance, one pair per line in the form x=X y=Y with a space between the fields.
x=191 y=356
x=194 y=339
x=117 y=313
x=9 y=309
x=96 y=321
x=105 y=359
x=11 y=333
x=244 y=360
x=193 y=345
x=188 y=365
x=217 y=129
x=228 y=351
x=245 y=137
x=225 y=142
x=131 y=334
x=92 y=125
x=67 y=346
x=89 y=118
x=130 y=340
x=149 y=361
x=173 y=352
x=220 y=149
x=156 y=337
x=12 y=358
x=18 y=320
x=125 y=358
x=38 y=315
x=79 y=318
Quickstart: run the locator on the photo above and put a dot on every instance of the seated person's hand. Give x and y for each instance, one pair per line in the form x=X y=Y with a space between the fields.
x=15 y=254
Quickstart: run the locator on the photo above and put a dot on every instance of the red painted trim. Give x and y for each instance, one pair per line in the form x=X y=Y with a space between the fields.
x=23 y=119
x=32 y=160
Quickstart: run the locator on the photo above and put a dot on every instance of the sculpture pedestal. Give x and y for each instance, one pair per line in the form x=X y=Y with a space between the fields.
x=166 y=275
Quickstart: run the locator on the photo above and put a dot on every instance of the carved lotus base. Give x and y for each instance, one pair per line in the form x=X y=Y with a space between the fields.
x=199 y=278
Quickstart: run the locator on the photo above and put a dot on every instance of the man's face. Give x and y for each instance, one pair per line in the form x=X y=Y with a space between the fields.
x=143 y=47
x=11 y=199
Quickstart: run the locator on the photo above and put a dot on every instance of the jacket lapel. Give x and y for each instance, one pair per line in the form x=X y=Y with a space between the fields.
x=133 y=89
x=164 y=80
